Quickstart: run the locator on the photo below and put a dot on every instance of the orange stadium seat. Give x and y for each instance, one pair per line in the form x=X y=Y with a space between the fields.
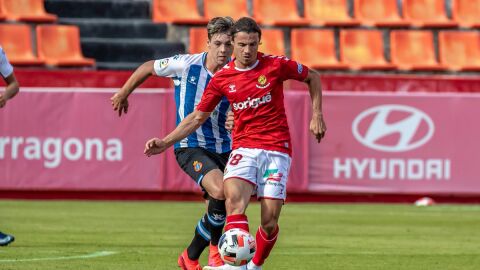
x=16 y=40
x=26 y=10
x=315 y=48
x=279 y=13
x=460 y=50
x=2 y=13
x=59 y=45
x=328 y=13
x=363 y=49
x=198 y=40
x=379 y=13
x=427 y=13
x=466 y=12
x=272 y=42
x=413 y=50
x=233 y=8
x=178 y=12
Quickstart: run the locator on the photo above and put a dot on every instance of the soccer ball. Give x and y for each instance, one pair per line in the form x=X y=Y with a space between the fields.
x=236 y=247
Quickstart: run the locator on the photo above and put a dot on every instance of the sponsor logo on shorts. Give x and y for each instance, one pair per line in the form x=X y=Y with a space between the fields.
x=197 y=165
x=273 y=175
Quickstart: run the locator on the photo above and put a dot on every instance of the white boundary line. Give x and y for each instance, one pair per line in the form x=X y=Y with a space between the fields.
x=87 y=256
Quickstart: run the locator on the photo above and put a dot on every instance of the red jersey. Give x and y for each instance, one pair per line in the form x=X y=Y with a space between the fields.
x=256 y=97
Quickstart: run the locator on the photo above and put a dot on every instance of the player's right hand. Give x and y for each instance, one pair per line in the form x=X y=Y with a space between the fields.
x=155 y=146
x=3 y=101
x=119 y=103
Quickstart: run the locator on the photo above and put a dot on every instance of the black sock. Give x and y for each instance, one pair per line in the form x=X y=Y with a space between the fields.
x=216 y=218
x=201 y=239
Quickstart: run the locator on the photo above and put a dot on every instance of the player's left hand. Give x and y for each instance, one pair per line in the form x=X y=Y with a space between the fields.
x=318 y=127
x=155 y=146
x=229 y=121
x=3 y=101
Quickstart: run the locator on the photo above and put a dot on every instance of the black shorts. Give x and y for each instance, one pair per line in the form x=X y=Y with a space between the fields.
x=197 y=162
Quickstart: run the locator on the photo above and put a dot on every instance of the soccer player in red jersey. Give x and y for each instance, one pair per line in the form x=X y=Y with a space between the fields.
x=261 y=156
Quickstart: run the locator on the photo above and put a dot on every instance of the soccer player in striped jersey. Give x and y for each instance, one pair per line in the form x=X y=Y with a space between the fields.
x=261 y=156
x=203 y=154
x=6 y=71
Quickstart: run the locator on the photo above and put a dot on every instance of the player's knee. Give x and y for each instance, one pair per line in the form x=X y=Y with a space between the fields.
x=235 y=206
x=216 y=192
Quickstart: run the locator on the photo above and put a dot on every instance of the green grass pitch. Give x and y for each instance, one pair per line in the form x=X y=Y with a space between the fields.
x=150 y=235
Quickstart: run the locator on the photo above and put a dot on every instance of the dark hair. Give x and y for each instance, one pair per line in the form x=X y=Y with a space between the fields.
x=248 y=25
x=219 y=25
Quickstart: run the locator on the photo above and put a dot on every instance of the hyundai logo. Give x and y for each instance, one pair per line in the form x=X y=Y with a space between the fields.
x=393 y=128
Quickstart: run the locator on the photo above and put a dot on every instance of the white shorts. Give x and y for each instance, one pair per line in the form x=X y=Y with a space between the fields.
x=266 y=170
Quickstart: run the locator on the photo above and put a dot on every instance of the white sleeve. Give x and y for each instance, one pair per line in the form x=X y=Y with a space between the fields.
x=171 y=66
x=5 y=68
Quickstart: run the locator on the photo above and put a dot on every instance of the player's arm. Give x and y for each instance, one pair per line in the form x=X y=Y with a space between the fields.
x=120 y=99
x=188 y=125
x=10 y=91
x=210 y=98
x=317 y=124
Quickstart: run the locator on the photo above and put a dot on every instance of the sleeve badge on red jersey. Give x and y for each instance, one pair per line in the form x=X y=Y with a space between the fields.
x=299 y=68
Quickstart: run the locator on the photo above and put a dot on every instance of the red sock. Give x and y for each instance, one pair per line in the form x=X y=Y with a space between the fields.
x=239 y=221
x=265 y=244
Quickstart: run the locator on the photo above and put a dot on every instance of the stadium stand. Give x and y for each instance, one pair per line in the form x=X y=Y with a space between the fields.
x=466 y=12
x=16 y=40
x=178 y=12
x=427 y=13
x=122 y=34
x=278 y=13
x=328 y=13
x=119 y=34
x=381 y=13
x=315 y=48
x=198 y=40
x=363 y=50
x=273 y=42
x=233 y=8
x=26 y=10
x=413 y=50
x=59 y=45
x=460 y=50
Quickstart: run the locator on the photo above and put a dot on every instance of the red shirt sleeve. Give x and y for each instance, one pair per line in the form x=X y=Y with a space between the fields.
x=290 y=69
x=210 y=98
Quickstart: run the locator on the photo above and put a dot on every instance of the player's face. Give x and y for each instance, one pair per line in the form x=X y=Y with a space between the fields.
x=245 y=48
x=221 y=48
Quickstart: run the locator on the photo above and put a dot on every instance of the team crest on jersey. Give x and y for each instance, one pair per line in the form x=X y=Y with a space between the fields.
x=193 y=80
x=262 y=82
x=197 y=165
x=164 y=63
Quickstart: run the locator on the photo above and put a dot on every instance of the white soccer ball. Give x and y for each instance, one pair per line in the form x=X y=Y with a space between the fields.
x=236 y=247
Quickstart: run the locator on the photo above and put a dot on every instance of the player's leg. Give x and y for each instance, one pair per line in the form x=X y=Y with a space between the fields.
x=202 y=167
x=240 y=182
x=272 y=193
x=6 y=239
x=216 y=213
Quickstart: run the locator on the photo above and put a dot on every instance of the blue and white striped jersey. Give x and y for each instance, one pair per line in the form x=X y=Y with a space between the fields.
x=5 y=68
x=190 y=77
